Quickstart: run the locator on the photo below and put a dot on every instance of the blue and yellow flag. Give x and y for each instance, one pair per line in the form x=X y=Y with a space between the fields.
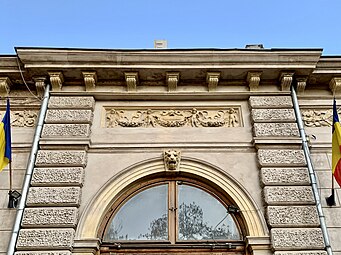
x=5 y=139
x=336 y=146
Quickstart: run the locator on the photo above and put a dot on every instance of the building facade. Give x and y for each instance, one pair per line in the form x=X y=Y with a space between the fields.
x=170 y=151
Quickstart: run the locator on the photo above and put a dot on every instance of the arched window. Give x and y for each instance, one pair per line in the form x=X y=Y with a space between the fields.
x=178 y=213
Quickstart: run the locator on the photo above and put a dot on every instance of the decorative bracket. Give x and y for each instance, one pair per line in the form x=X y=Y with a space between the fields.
x=131 y=80
x=171 y=159
x=212 y=80
x=286 y=80
x=301 y=84
x=90 y=79
x=172 y=81
x=40 y=83
x=56 y=79
x=253 y=78
x=335 y=85
x=5 y=84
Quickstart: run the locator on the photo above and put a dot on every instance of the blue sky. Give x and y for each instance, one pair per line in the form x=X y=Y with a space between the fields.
x=128 y=24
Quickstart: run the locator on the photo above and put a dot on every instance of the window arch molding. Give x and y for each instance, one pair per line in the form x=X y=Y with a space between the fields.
x=95 y=211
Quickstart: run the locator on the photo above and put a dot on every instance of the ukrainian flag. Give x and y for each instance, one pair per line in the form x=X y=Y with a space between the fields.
x=5 y=139
x=336 y=143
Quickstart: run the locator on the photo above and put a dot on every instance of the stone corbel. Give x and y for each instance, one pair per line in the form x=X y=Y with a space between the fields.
x=335 y=85
x=5 y=84
x=56 y=79
x=301 y=84
x=90 y=79
x=253 y=79
x=172 y=81
x=131 y=80
x=212 y=80
x=286 y=80
x=40 y=83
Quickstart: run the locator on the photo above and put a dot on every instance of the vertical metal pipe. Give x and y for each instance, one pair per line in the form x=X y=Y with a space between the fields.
x=311 y=172
x=29 y=171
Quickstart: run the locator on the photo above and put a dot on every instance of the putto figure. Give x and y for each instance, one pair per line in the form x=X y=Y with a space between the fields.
x=172 y=159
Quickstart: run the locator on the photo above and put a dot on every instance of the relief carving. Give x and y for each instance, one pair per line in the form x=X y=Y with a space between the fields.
x=229 y=117
x=172 y=159
x=318 y=118
x=26 y=118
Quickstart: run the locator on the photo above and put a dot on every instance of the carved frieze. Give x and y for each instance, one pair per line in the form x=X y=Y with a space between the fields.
x=317 y=118
x=229 y=117
x=288 y=195
x=270 y=102
x=58 y=176
x=61 y=158
x=275 y=129
x=40 y=239
x=50 y=217
x=285 y=176
x=25 y=118
x=66 y=130
x=71 y=102
x=172 y=159
x=69 y=116
x=273 y=115
x=53 y=196
x=281 y=157
x=297 y=238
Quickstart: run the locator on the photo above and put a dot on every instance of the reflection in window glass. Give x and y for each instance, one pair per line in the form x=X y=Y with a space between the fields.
x=143 y=217
x=203 y=217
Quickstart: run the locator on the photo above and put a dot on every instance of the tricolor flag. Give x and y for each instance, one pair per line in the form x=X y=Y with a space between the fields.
x=336 y=146
x=5 y=139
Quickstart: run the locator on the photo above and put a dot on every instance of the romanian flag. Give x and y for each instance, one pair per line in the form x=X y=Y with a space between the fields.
x=336 y=146
x=5 y=139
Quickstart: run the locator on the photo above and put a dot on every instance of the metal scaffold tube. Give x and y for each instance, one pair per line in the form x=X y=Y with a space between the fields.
x=311 y=172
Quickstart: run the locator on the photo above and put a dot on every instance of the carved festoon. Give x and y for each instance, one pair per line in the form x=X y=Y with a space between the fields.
x=212 y=79
x=40 y=83
x=131 y=80
x=90 y=79
x=228 y=117
x=286 y=80
x=253 y=79
x=317 y=118
x=5 y=84
x=25 y=118
x=172 y=80
x=301 y=84
x=335 y=85
x=56 y=79
x=172 y=159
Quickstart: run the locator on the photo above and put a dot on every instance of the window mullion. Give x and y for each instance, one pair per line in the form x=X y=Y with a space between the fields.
x=172 y=211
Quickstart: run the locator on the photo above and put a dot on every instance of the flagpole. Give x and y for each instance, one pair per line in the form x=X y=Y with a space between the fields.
x=10 y=176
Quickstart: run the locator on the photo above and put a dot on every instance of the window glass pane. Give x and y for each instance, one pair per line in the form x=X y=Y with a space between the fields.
x=142 y=217
x=203 y=217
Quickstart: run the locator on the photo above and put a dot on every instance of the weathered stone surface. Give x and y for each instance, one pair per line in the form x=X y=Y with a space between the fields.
x=273 y=115
x=285 y=176
x=291 y=216
x=281 y=157
x=50 y=217
x=68 y=116
x=61 y=158
x=288 y=195
x=297 y=238
x=45 y=239
x=300 y=253
x=43 y=253
x=58 y=176
x=54 y=196
x=72 y=102
x=66 y=130
x=275 y=129
x=271 y=102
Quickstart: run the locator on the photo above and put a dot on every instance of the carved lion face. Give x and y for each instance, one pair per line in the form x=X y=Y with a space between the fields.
x=172 y=159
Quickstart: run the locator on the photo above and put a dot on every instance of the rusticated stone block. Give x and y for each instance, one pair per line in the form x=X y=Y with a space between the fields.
x=281 y=157
x=300 y=253
x=50 y=217
x=288 y=195
x=61 y=158
x=42 y=253
x=275 y=129
x=66 y=130
x=40 y=239
x=48 y=196
x=271 y=102
x=297 y=238
x=68 y=116
x=72 y=102
x=273 y=115
x=285 y=176
x=291 y=216
x=58 y=176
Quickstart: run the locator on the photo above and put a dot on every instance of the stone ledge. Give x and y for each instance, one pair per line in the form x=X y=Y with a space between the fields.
x=275 y=130
x=50 y=217
x=42 y=253
x=66 y=130
x=42 y=239
x=49 y=196
x=285 y=176
x=59 y=102
x=61 y=158
x=270 y=102
x=300 y=253
x=69 y=116
x=289 y=195
x=292 y=216
x=58 y=176
x=273 y=115
x=281 y=157
x=297 y=239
